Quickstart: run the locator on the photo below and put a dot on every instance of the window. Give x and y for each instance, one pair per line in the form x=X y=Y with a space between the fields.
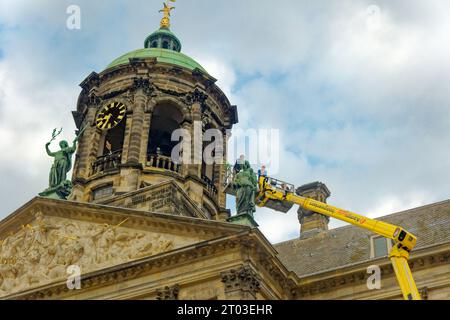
x=154 y=44
x=166 y=119
x=380 y=247
x=165 y=45
x=103 y=192
x=114 y=138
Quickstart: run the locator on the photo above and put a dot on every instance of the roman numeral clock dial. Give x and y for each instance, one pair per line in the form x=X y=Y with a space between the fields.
x=111 y=115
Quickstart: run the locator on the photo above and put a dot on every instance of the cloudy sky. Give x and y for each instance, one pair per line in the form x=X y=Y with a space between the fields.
x=360 y=90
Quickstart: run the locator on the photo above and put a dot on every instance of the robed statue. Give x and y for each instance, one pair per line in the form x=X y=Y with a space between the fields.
x=245 y=184
x=59 y=186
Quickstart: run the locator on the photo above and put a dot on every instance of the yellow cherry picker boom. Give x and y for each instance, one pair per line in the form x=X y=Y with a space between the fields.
x=281 y=196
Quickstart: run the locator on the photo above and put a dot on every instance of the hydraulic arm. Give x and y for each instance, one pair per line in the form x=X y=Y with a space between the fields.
x=272 y=191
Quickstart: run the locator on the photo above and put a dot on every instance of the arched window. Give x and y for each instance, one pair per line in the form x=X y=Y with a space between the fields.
x=165 y=119
x=110 y=156
x=154 y=44
x=165 y=44
x=114 y=139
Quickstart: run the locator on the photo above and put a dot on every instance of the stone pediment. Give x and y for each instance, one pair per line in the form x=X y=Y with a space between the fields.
x=166 y=197
x=43 y=238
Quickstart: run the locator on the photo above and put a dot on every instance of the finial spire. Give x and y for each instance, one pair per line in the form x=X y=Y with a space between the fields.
x=165 y=21
x=163 y=38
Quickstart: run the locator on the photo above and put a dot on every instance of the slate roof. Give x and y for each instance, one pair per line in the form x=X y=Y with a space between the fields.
x=351 y=245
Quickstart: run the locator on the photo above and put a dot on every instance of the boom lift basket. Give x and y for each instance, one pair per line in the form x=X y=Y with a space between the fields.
x=278 y=205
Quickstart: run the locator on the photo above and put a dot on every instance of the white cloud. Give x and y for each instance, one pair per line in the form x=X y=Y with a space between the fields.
x=278 y=227
x=362 y=106
x=224 y=74
x=390 y=204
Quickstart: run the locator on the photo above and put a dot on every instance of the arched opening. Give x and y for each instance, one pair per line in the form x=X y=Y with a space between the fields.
x=208 y=166
x=165 y=44
x=114 y=139
x=110 y=155
x=154 y=44
x=166 y=119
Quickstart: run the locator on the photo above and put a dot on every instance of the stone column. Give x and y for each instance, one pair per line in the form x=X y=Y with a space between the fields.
x=224 y=214
x=197 y=141
x=194 y=185
x=146 y=131
x=137 y=124
x=186 y=125
x=197 y=98
x=85 y=144
x=130 y=170
x=222 y=172
x=86 y=153
x=313 y=223
x=126 y=140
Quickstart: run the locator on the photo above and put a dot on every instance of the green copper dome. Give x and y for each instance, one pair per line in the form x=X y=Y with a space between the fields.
x=161 y=55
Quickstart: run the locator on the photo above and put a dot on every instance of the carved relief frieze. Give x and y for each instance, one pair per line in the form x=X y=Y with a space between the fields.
x=40 y=252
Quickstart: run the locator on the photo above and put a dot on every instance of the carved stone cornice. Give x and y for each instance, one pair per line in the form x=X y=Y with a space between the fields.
x=137 y=63
x=144 y=85
x=153 y=68
x=288 y=284
x=205 y=79
x=94 y=100
x=188 y=98
x=168 y=293
x=241 y=282
x=226 y=115
x=173 y=93
x=197 y=96
x=92 y=80
x=208 y=113
x=113 y=94
x=131 y=165
x=176 y=71
x=87 y=99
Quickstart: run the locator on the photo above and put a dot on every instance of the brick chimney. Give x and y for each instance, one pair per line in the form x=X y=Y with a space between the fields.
x=312 y=223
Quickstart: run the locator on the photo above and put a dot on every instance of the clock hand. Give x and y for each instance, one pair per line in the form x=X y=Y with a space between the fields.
x=106 y=121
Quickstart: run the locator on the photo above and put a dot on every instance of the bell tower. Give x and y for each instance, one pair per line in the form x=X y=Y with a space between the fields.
x=130 y=112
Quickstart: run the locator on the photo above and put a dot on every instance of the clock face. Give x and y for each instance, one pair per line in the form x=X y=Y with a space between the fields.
x=111 y=115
